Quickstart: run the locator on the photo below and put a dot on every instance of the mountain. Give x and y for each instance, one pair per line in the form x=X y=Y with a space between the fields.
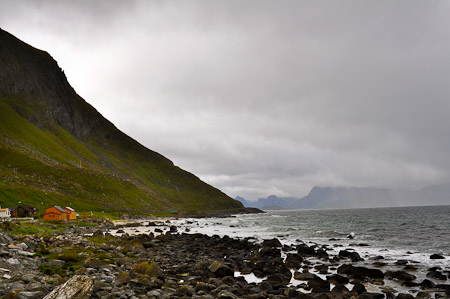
x=358 y=197
x=55 y=148
x=272 y=202
x=242 y=200
x=347 y=197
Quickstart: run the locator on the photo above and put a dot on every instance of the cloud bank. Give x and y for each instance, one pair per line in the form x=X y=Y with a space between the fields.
x=263 y=97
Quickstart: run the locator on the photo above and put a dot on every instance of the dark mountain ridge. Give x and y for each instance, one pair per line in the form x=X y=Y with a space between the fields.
x=54 y=145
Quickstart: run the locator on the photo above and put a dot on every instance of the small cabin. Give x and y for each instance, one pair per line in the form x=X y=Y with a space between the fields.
x=26 y=211
x=174 y=212
x=5 y=213
x=72 y=213
x=56 y=213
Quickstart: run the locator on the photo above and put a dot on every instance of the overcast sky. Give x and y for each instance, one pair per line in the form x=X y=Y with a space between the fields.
x=263 y=97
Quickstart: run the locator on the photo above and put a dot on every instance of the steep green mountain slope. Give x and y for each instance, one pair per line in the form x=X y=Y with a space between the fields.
x=57 y=149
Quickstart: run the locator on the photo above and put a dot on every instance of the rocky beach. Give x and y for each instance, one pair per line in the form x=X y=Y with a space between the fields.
x=162 y=259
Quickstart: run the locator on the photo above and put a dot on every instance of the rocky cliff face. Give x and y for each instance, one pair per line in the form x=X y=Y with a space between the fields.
x=35 y=76
x=35 y=87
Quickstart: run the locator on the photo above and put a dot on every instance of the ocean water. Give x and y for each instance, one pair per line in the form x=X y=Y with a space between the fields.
x=412 y=233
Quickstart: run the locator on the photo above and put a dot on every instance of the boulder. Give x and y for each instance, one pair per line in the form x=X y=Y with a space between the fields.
x=436 y=275
x=293 y=260
x=278 y=278
x=145 y=268
x=427 y=284
x=269 y=252
x=354 y=256
x=340 y=289
x=436 y=256
x=271 y=243
x=367 y=295
x=338 y=279
x=305 y=250
x=359 y=288
x=319 y=284
x=401 y=275
x=220 y=270
x=304 y=276
x=404 y=296
x=360 y=271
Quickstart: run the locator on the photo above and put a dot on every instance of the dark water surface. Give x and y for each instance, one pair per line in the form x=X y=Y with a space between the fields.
x=413 y=232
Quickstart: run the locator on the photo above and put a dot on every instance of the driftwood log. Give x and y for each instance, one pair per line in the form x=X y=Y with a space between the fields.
x=75 y=288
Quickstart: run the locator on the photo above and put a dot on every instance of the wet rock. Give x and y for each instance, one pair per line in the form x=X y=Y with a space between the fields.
x=271 y=243
x=423 y=295
x=220 y=270
x=401 y=262
x=305 y=250
x=319 y=285
x=340 y=289
x=360 y=271
x=427 y=284
x=278 y=278
x=359 y=288
x=293 y=260
x=354 y=256
x=404 y=296
x=269 y=252
x=436 y=256
x=323 y=269
x=445 y=287
x=336 y=278
x=265 y=286
x=436 y=275
x=401 y=275
x=367 y=295
x=304 y=275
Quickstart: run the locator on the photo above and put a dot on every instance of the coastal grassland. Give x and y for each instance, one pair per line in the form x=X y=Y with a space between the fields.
x=22 y=228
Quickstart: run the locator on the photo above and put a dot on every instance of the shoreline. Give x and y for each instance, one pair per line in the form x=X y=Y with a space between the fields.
x=173 y=263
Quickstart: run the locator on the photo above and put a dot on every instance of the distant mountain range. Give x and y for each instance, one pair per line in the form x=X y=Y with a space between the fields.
x=356 y=197
x=56 y=149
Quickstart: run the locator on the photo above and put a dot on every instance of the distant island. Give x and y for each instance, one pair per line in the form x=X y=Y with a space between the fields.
x=355 y=197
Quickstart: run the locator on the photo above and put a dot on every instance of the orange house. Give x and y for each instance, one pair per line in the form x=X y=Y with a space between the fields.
x=72 y=213
x=56 y=213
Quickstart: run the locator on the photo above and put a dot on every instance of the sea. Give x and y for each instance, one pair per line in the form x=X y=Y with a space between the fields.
x=412 y=233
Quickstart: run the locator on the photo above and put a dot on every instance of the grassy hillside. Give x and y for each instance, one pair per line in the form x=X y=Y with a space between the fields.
x=57 y=149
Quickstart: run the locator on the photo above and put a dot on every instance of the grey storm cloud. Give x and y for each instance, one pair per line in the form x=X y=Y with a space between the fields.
x=263 y=97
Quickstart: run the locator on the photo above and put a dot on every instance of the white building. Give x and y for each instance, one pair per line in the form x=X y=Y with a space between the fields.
x=5 y=213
